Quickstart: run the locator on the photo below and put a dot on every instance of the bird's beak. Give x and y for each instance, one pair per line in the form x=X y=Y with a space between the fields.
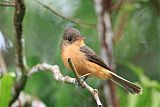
x=81 y=38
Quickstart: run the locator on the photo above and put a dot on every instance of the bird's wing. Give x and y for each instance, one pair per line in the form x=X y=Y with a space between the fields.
x=92 y=57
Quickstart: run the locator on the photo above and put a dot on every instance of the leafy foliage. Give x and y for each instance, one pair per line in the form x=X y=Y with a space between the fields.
x=6 y=83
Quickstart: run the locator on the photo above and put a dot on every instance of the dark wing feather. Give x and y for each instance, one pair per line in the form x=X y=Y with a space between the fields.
x=92 y=57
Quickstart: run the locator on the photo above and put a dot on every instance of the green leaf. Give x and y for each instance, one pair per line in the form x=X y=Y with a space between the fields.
x=147 y=82
x=132 y=100
x=6 y=83
x=155 y=98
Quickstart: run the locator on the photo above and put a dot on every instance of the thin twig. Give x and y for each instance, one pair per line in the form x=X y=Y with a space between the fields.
x=84 y=84
x=76 y=21
x=75 y=72
x=7 y=4
x=57 y=75
x=54 y=69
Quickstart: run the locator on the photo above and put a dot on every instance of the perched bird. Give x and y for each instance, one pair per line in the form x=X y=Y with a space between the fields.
x=87 y=62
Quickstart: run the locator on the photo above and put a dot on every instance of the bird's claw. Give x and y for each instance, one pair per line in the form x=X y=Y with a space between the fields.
x=84 y=77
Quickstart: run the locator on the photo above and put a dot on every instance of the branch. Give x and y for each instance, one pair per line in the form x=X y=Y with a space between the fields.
x=54 y=69
x=19 y=13
x=26 y=99
x=103 y=10
x=7 y=4
x=57 y=75
x=75 y=21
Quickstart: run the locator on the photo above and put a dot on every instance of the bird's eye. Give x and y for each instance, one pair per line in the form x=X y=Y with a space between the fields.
x=69 y=39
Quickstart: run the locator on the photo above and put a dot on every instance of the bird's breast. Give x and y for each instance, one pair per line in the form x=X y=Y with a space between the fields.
x=78 y=59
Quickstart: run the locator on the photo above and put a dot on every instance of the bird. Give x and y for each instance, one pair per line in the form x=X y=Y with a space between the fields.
x=86 y=61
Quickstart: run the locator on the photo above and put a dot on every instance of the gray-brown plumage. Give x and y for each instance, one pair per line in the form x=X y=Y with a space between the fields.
x=86 y=60
x=91 y=56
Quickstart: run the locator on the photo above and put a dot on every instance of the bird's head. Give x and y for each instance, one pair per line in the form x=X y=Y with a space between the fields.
x=72 y=36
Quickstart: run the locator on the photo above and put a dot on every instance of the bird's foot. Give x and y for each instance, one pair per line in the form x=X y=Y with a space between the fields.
x=84 y=77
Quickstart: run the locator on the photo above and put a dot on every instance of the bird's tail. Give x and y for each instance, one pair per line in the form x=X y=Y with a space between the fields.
x=129 y=86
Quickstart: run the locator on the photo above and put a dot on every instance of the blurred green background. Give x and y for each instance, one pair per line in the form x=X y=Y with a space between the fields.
x=137 y=53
